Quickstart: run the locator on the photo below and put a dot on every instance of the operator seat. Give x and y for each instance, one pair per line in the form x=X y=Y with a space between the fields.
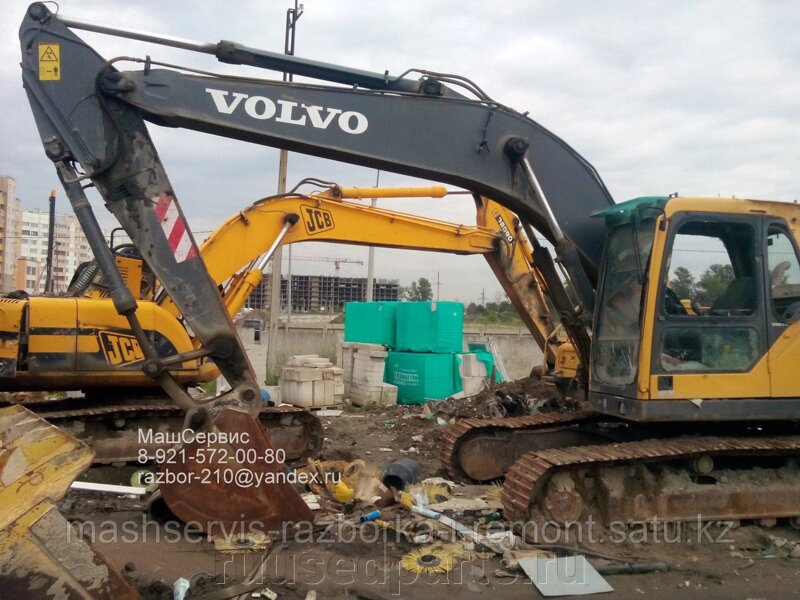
x=738 y=298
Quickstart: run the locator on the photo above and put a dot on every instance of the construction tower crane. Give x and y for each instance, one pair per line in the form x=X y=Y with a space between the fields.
x=336 y=261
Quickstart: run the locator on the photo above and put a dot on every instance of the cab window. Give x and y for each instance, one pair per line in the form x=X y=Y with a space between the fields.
x=710 y=298
x=616 y=338
x=784 y=274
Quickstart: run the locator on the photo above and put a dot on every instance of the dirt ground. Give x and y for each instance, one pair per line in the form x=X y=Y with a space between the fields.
x=344 y=560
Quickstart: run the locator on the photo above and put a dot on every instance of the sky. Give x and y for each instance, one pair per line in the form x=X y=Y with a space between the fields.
x=699 y=98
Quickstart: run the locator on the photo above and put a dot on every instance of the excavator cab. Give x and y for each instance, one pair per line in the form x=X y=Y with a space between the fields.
x=696 y=307
x=88 y=279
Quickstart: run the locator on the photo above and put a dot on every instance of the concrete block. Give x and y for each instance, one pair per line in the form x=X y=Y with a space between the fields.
x=368 y=365
x=362 y=354
x=370 y=376
x=357 y=387
x=347 y=353
x=301 y=374
x=331 y=373
x=323 y=393
x=364 y=395
x=338 y=389
x=472 y=385
x=368 y=347
x=381 y=394
x=361 y=374
x=317 y=362
x=354 y=360
x=297 y=360
x=330 y=392
x=298 y=393
x=388 y=394
x=318 y=394
x=471 y=366
x=372 y=354
x=367 y=361
x=372 y=371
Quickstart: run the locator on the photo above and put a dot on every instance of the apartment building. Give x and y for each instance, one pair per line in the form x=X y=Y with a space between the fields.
x=70 y=248
x=10 y=223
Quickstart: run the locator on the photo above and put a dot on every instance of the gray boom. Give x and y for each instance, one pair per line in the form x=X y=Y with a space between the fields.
x=93 y=115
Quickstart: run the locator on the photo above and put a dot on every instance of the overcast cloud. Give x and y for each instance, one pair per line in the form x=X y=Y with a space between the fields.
x=700 y=98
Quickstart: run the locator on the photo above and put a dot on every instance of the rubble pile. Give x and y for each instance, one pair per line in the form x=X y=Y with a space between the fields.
x=506 y=399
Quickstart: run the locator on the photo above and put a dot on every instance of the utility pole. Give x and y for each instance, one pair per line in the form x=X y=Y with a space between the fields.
x=292 y=15
x=51 y=238
x=371 y=256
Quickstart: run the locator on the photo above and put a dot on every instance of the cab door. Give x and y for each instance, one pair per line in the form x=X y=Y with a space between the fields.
x=709 y=339
x=782 y=283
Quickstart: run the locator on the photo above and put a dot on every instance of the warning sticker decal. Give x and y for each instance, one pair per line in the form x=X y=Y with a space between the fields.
x=49 y=62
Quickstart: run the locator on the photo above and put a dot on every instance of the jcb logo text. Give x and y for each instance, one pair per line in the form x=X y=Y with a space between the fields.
x=120 y=349
x=317 y=220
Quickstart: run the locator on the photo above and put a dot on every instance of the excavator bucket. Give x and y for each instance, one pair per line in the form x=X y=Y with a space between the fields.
x=229 y=485
x=41 y=555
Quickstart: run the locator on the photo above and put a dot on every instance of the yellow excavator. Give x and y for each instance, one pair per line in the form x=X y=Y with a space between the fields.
x=78 y=341
x=693 y=413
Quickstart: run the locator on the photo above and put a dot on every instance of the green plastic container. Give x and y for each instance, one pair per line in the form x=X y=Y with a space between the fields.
x=430 y=327
x=419 y=376
x=370 y=322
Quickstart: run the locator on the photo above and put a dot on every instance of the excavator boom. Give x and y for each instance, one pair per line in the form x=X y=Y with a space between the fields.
x=436 y=132
x=91 y=120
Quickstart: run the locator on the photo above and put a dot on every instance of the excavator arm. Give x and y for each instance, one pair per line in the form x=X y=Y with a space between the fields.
x=329 y=217
x=326 y=218
x=247 y=239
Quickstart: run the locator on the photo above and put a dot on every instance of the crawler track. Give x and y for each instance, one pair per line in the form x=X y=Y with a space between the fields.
x=484 y=449
x=111 y=428
x=552 y=482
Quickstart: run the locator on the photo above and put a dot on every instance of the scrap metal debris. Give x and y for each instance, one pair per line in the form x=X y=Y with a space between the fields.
x=508 y=399
x=429 y=559
x=239 y=544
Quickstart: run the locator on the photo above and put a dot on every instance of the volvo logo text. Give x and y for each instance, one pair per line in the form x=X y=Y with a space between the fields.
x=286 y=111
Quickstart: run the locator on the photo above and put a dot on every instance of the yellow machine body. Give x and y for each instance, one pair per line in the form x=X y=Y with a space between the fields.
x=72 y=343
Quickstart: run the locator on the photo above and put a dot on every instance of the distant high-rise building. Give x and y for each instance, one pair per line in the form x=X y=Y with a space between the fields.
x=10 y=223
x=320 y=293
x=69 y=250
